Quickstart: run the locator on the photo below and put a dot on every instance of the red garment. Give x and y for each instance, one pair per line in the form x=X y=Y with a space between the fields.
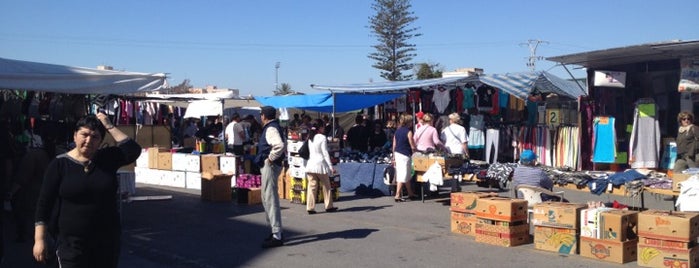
x=459 y=96
x=414 y=96
x=496 y=103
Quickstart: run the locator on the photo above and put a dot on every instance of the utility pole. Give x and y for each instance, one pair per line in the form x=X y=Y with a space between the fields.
x=533 y=44
x=276 y=76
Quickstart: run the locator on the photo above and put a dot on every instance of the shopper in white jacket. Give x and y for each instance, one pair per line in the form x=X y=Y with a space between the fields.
x=318 y=168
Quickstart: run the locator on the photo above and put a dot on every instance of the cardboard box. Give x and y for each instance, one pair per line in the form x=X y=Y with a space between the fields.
x=174 y=179
x=446 y=162
x=467 y=201
x=179 y=161
x=589 y=222
x=421 y=162
x=553 y=239
x=297 y=161
x=282 y=185
x=193 y=180
x=668 y=225
x=293 y=146
x=216 y=186
x=153 y=153
x=557 y=214
x=209 y=162
x=165 y=161
x=502 y=209
x=297 y=197
x=463 y=223
x=193 y=163
x=608 y=250
x=658 y=243
x=649 y=256
x=501 y=235
x=677 y=179
x=297 y=172
x=228 y=164
x=250 y=196
x=618 y=225
x=142 y=160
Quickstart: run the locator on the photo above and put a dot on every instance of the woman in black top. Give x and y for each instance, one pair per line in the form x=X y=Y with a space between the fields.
x=687 y=142
x=82 y=184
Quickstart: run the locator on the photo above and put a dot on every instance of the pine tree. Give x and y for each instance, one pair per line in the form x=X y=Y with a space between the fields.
x=392 y=27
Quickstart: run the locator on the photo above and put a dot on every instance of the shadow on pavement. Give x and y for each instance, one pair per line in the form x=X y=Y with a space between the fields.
x=347 y=234
x=362 y=209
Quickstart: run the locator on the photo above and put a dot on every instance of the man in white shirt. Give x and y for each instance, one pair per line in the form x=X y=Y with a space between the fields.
x=235 y=135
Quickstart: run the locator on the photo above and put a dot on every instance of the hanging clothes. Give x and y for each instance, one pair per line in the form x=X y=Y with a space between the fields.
x=492 y=139
x=476 y=137
x=644 y=146
x=469 y=98
x=441 y=98
x=459 y=100
x=604 y=140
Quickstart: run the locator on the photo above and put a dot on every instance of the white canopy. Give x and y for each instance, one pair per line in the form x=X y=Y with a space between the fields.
x=199 y=108
x=229 y=98
x=25 y=75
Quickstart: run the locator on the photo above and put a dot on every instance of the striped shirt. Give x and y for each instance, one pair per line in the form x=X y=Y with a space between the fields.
x=532 y=176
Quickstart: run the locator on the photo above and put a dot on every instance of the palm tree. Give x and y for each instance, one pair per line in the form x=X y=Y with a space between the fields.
x=285 y=89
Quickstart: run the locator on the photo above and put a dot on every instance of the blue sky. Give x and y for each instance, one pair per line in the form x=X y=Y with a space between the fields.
x=235 y=44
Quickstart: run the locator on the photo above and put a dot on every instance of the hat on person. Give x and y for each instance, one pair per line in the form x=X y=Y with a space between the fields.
x=269 y=112
x=527 y=156
x=419 y=115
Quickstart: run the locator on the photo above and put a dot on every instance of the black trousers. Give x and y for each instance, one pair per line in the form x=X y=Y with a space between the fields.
x=93 y=251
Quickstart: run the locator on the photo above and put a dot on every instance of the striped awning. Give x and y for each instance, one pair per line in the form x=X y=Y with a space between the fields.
x=521 y=84
x=392 y=86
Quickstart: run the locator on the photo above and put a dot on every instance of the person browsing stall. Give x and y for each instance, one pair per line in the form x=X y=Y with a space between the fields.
x=318 y=168
x=687 y=142
x=83 y=184
x=235 y=135
x=426 y=136
x=454 y=136
x=270 y=153
x=403 y=147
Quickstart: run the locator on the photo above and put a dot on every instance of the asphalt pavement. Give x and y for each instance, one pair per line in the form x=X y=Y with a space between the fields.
x=185 y=231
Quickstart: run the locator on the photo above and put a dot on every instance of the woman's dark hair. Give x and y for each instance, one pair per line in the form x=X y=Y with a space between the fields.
x=316 y=125
x=91 y=122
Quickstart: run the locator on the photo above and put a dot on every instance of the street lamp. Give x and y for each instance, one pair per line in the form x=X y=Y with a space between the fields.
x=276 y=76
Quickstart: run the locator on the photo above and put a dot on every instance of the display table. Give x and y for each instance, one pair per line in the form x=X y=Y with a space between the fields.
x=355 y=174
x=622 y=192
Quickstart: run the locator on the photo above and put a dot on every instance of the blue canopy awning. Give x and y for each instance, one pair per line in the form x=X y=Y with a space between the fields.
x=344 y=102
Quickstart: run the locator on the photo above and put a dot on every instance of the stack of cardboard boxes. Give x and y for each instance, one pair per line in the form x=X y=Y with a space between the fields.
x=296 y=173
x=502 y=221
x=557 y=226
x=668 y=239
x=608 y=234
x=463 y=211
x=296 y=183
x=213 y=174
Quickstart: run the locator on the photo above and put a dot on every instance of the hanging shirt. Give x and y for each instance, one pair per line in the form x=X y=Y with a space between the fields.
x=604 y=149
x=441 y=98
x=469 y=100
